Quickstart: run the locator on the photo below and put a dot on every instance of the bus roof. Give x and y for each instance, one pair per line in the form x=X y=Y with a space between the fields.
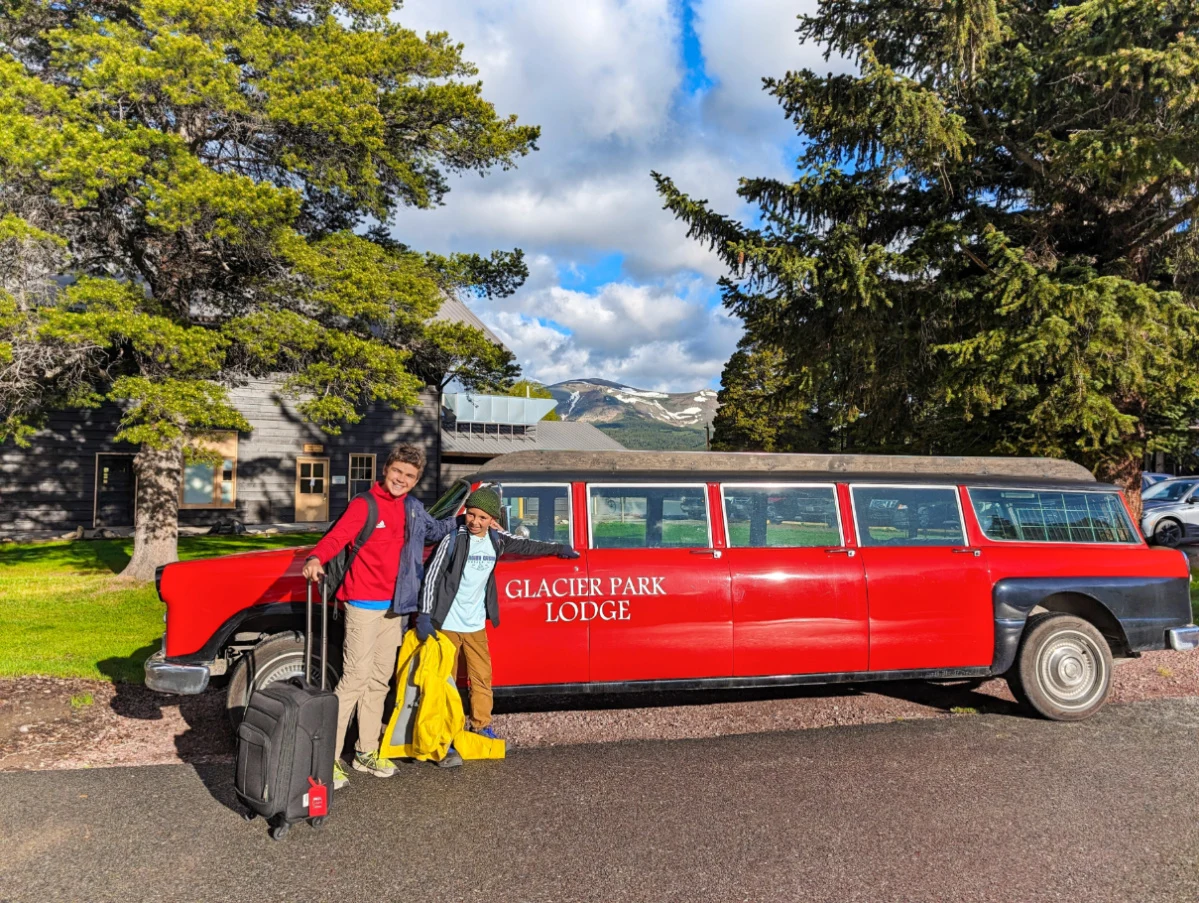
x=759 y=465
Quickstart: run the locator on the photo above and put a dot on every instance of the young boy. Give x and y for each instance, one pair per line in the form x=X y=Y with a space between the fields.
x=459 y=594
x=380 y=593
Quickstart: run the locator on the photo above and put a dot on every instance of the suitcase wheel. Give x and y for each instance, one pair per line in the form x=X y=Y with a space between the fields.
x=279 y=831
x=249 y=814
x=318 y=822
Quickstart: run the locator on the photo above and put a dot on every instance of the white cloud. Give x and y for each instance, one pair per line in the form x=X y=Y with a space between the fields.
x=665 y=338
x=604 y=80
x=742 y=43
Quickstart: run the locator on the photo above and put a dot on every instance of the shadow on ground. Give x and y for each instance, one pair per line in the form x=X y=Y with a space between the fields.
x=208 y=735
x=946 y=697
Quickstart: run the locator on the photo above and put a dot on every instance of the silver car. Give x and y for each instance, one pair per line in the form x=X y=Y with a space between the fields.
x=1170 y=513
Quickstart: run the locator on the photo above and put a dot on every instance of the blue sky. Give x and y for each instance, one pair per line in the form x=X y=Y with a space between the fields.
x=620 y=88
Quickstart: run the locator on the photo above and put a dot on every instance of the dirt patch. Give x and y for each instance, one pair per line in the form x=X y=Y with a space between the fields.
x=41 y=728
x=54 y=723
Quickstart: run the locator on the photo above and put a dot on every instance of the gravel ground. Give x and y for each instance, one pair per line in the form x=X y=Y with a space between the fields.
x=49 y=723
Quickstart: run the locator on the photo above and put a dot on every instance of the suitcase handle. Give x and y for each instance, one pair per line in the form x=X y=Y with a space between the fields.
x=324 y=633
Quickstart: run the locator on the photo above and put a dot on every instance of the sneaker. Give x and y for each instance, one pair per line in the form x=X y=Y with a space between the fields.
x=451 y=760
x=340 y=778
x=487 y=732
x=373 y=763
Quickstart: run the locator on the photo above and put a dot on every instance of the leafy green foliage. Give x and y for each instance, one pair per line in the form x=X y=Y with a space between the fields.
x=204 y=182
x=989 y=246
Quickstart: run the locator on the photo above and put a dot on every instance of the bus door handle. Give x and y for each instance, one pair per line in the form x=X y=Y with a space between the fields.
x=975 y=552
x=715 y=553
x=850 y=552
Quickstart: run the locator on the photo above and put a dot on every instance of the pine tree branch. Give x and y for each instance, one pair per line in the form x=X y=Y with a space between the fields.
x=1185 y=212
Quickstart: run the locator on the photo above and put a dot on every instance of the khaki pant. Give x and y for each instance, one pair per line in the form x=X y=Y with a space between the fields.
x=372 y=645
x=478 y=671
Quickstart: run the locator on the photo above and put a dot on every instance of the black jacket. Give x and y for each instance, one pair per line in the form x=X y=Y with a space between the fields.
x=445 y=568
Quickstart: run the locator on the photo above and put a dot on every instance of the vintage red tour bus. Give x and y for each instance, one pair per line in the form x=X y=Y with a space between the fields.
x=710 y=570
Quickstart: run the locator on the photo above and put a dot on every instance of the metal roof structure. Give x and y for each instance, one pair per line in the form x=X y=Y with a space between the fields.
x=453 y=310
x=472 y=407
x=547 y=436
x=729 y=465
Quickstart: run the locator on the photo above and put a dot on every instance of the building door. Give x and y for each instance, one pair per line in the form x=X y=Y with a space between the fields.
x=312 y=490
x=114 y=491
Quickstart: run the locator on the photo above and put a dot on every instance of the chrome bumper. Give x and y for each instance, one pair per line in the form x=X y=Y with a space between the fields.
x=1183 y=638
x=182 y=680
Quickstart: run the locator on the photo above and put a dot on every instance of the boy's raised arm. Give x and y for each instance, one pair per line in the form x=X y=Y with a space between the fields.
x=515 y=545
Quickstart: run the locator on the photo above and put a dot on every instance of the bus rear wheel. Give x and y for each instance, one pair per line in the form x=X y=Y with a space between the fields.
x=278 y=657
x=1063 y=670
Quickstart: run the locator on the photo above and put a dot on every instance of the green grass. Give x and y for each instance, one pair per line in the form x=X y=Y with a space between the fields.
x=65 y=613
x=793 y=535
x=678 y=534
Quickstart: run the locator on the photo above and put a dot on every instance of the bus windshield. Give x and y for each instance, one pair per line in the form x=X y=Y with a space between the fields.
x=451 y=501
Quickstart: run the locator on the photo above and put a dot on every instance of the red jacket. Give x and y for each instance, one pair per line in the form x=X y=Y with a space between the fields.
x=372 y=577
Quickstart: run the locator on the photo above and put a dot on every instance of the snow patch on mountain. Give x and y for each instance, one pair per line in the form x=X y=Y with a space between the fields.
x=602 y=401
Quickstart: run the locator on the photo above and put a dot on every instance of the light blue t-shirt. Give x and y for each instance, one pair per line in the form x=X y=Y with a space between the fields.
x=468 y=612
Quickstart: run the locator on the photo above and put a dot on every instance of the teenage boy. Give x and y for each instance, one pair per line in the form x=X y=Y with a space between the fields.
x=460 y=595
x=380 y=592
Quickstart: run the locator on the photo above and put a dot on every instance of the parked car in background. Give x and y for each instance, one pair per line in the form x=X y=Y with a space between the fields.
x=1149 y=479
x=1170 y=511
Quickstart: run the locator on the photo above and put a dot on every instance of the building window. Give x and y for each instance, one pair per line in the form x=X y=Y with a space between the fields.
x=362 y=474
x=207 y=484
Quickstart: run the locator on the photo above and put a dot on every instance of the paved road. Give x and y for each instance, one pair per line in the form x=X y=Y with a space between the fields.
x=974 y=808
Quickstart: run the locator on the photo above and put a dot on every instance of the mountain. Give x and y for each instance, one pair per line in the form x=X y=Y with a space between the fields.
x=638 y=418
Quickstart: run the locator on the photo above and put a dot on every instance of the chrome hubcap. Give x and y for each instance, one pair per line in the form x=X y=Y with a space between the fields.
x=290 y=665
x=1071 y=670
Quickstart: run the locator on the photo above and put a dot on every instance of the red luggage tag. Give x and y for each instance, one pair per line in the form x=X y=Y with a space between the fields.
x=318 y=798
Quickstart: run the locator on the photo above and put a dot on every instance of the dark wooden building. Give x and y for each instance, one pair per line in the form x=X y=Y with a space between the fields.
x=284 y=471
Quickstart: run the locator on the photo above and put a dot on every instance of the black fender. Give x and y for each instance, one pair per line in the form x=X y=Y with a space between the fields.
x=1132 y=612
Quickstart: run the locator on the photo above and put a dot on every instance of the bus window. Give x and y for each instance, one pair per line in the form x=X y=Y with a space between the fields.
x=759 y=516
x=1042 y=515
x=537 y=512
x=649 y=517
x=451 y=501
x=908 y=516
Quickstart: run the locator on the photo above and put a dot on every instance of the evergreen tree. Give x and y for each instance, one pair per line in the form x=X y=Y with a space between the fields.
x=990 y=245
x=197 y=177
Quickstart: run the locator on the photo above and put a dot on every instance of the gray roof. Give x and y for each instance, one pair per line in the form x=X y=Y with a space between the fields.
x=877 y=467
x=454 y=310
x=553 y=436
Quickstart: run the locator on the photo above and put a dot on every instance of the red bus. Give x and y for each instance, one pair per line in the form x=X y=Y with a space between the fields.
x=710 y=570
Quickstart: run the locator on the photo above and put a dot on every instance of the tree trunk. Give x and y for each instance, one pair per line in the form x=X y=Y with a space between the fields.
x=156 y=516
x=1126 y=474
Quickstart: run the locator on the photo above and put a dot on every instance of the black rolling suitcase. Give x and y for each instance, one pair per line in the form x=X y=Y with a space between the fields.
x=285 y=744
